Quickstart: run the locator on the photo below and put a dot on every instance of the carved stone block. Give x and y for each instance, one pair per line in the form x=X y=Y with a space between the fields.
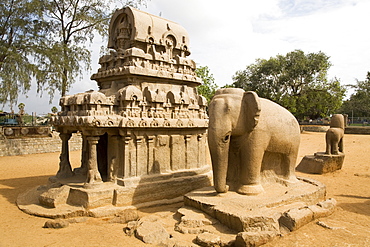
x=54 y=196
x=320 y=163
x=90 y=198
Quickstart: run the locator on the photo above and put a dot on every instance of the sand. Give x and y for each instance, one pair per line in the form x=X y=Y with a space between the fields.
x=348 y=226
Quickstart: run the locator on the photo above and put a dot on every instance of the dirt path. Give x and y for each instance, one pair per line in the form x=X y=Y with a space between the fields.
x=348 y=226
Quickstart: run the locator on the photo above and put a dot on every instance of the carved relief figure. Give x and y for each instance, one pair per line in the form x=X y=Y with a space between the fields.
x=257 y=128
x=334 y=135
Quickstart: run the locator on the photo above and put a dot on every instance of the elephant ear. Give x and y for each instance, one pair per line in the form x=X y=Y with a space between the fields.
x=252 y=109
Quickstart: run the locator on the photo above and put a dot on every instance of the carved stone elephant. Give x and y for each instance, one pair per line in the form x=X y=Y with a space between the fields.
x=334 y=135
x=248 y=135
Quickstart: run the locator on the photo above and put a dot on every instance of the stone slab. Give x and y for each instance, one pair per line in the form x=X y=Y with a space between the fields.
x=159 y=190
x=321 y=163
x=54 y=196
x=109 y=198
x=91 y=198
x=260 y=212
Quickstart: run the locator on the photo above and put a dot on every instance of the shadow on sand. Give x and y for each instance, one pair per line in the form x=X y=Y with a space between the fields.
x=361 y=206
x=11 y=188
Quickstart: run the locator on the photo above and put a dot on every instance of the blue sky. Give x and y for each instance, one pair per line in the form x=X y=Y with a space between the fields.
x=228 y=37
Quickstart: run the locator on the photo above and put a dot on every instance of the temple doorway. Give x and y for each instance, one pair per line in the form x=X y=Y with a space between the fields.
x=102 y=156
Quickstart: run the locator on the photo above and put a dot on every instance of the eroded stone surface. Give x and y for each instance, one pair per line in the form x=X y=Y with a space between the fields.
x=253 y=137
x=125 y=216
x=110 y=199
x=241 y=212
x=193 y=218
x=54 y=196
x=144 y=131
x=207 y=239
x=147 y=117
x=151 y=232
x=295 y=218
x=260 y=218
x=324 y=208
x=321 y=163
x=253 y=239
x=334 y=135
x=333 y=157
x=56 y=224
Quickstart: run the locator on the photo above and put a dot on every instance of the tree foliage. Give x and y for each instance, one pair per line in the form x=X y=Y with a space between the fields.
x=208 y=87
x=297 y=81
x=359 y=102
x=21 y=30
x=72 y=24
x=54 y=109
x=47 y=40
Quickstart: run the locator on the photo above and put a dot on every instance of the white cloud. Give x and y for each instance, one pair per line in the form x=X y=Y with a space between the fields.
x=226 y=37
x=339 y=32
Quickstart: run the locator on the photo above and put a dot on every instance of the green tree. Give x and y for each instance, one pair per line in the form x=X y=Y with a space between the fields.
x=297 y=81
x=54 y=109
x=21 y=30
x=208 y=87
x=359 y=101
x=47 y=40
x=72 y=24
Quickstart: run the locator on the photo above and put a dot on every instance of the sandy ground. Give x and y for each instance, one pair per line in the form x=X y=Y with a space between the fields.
x=348 y=226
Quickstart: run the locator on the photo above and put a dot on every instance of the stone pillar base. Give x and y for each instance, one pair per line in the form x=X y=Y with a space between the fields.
x=260 y=218
x=320 y=163
x=70 y=198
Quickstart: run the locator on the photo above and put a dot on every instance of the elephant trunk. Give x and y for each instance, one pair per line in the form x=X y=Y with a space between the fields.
x=220 y=156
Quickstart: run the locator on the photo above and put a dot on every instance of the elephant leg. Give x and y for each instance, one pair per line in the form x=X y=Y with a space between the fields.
x=288 y=167
x=341 y=145
x=250 y=171
x=334 y=147
x=328 y=145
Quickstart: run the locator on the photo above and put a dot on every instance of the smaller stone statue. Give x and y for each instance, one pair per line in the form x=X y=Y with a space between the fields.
x=334 y=135
x=332 y=159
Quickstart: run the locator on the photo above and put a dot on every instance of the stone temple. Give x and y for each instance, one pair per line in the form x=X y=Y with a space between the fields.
x=144 y=131
x=144 y=142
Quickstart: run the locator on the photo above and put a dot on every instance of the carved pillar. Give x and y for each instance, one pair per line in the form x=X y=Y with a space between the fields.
x=141 y=166
x=127 y=160
x=93 y=175
x=84 y=158
x=151 y=168
x=177 y=145
x=65 y=169
x=201 y=151
x=187 y=152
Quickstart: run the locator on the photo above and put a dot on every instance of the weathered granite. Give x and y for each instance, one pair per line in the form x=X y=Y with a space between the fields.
x=321 y=163
x=333 y=157
x=151 y=233
x=247 y=137
x=334 y=135
x=144 y=133
x=260 y=218
x=244 y=213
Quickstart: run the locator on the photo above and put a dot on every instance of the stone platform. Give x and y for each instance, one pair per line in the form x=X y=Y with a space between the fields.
x=69 y=198
x=279 y=209
x=321 y=163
